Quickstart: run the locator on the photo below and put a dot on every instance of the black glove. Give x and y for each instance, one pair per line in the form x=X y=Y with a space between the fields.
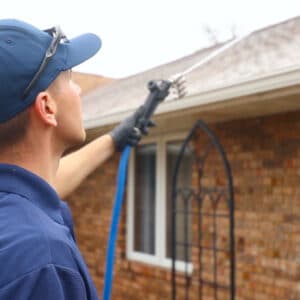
x=130 y=131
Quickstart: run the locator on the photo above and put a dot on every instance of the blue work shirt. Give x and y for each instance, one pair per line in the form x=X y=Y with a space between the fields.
x=39 y=258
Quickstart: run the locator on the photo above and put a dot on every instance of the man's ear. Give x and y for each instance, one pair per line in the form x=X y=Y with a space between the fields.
x=45 y=107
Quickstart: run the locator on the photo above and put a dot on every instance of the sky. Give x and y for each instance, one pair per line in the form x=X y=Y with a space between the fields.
x=138 y=35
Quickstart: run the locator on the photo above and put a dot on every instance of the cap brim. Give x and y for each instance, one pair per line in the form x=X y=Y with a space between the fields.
x=82 y=48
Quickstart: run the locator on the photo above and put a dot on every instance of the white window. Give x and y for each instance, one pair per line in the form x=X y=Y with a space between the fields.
x=149 y=201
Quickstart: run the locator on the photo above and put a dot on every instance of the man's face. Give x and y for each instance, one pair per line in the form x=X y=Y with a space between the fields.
x=66 y=93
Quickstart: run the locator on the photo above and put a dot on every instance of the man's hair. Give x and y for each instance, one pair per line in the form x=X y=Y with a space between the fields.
x=13 y=130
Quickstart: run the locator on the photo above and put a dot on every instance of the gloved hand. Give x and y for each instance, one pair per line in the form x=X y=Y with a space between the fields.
x=127 y=132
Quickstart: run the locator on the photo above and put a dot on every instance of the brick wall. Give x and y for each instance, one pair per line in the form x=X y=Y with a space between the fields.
x=265 y=157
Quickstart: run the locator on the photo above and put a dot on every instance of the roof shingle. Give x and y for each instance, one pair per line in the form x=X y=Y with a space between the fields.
x=266 y=51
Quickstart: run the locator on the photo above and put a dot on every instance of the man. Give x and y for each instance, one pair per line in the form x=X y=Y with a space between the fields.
x=40 y=118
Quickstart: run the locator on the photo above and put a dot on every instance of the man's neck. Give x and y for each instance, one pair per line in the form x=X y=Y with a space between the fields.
x=41 y=160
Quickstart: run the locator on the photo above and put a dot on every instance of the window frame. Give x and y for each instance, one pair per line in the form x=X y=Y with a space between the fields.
x=159 y=258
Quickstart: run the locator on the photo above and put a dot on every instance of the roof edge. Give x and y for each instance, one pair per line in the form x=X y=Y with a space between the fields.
x=280 y=79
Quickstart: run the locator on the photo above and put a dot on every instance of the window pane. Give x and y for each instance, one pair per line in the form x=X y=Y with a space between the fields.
x=183 y=220
x=144 y=199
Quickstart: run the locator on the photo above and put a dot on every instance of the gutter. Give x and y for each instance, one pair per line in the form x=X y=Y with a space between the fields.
x=277 y=80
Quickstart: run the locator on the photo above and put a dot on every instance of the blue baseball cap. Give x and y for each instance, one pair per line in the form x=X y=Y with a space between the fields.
x=22 y=50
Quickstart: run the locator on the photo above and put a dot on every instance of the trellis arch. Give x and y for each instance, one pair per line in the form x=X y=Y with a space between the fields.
x=206 y=209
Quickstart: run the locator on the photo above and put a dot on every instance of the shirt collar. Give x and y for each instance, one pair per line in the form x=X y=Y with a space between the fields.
x=16 y=180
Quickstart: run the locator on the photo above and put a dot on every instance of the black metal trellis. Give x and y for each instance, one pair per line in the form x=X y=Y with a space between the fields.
x=208 y=208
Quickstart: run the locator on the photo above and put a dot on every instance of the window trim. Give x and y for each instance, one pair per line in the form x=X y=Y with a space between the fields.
x=159 y=258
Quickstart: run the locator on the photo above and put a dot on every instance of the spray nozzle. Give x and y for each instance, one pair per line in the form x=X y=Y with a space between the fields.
x=178 y=82
x=159 y=90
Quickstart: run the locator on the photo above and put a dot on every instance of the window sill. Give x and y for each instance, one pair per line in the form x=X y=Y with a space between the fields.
x=165 y=263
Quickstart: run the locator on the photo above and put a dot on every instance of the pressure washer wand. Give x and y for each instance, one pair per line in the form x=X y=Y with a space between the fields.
x=159 y=90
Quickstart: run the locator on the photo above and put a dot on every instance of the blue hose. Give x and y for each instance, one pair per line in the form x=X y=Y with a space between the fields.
x=159 y=90
x=110 y=253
